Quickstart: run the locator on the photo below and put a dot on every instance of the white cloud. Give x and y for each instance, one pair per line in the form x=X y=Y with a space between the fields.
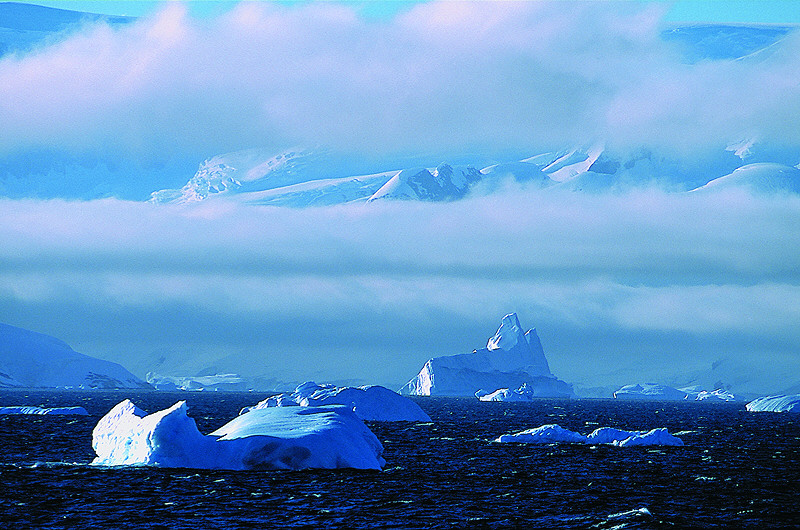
x=444 y=76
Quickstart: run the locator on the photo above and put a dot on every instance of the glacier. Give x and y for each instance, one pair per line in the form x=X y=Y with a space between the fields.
x=30 y=359
x=266 y=439
x=50 y=411
x=787 y=403
x=553 y=433
x=510 y=359
x=371 y=403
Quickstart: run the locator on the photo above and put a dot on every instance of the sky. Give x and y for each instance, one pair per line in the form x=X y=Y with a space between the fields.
x=619 y=286
x=777 y=12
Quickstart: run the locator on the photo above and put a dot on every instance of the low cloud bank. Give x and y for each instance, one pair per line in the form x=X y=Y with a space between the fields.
x=370 y=292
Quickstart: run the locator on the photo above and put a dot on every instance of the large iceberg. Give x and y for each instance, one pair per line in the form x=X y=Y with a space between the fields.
x=30 y=359
x=273 y=438
x=372 y=403
x=553 y=433
x=61 y=411
x=790 y=403
x=510 y=359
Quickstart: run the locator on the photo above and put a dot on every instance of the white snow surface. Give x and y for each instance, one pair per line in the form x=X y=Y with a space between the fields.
x=371 y=403
x=273 y=438
x=787 y=403
x=60 y=411
x=554 y=433
x=765 y=178
x=512 y=358
x=30 y=359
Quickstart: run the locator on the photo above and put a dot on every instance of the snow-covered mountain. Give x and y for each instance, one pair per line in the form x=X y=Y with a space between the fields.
x=310 y=177
x=510 y=359
x=25 y=26
x=30 y=359
x=766 y=178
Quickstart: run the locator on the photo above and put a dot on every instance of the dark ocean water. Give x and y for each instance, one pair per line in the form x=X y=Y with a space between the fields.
x=737 y=470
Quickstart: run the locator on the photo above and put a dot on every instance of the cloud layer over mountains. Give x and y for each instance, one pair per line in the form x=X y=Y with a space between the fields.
x=620 y=285
x=445 y=76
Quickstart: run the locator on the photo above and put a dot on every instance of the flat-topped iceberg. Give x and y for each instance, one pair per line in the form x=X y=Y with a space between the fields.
x=657 y=392
x=510 y=359
x=789 y=403
x=229 y=382
x=64 y=411
x=372 y=403
x=553 y=433
x=272 y=438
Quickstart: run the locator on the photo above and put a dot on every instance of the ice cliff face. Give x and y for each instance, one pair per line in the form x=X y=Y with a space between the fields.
x=510 y=359
x=29 y=359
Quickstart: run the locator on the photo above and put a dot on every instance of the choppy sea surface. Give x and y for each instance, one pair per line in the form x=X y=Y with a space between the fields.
x=736 y=470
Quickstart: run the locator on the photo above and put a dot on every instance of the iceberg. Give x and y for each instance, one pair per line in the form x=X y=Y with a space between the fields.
x=553 y=433
x=788 y=403
x=265 y=439
x=651 y=391
x=510 y=359
x=29 y=359
x=64 y=411
x=371 y=403
x=523 y=393
x=714 y=396
x=228 y=382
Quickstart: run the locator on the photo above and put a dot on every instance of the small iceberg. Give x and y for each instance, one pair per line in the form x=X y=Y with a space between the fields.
x=554 y=433
x=265 y=439
x=788 y=403
x=523 y=393
x=63 y=411
x=370 y=403
x=650 y=391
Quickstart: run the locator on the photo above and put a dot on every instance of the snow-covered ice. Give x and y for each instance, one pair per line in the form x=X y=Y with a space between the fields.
x=788 y=403
x=272 y=438
x=373 y=403
x=75 y=411
x=554 y=433
x=510 y=359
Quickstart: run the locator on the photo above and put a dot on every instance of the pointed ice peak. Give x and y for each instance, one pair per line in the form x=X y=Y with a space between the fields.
x=508 y=335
